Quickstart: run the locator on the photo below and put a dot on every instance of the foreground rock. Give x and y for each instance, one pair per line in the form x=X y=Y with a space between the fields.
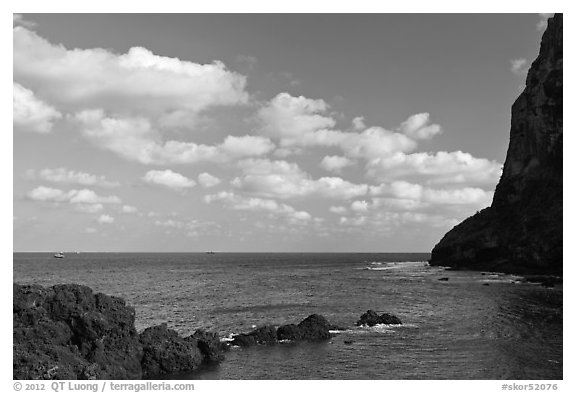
x=371 y=318
x=68 y=332
x=165 y=352
x=521 y=232
x=313 y=328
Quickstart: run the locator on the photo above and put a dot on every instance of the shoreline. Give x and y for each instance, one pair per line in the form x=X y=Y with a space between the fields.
x=67 y=331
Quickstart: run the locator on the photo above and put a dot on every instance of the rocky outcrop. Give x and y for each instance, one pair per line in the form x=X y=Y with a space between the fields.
x=165 y=352
x=521 y=231
x=314 y=328
x=210 y=346
x=69 y=332
x=262 y=335
x=371 y=318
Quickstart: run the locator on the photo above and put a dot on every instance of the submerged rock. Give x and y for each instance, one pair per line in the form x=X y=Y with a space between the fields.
x=521 y=232
x=371 y=318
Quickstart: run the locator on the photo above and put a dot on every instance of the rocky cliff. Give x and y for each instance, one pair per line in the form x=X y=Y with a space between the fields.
x=522 y=230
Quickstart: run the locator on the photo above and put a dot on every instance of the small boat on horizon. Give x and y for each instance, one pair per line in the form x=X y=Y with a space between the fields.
x=210 y=252
x=59 y=255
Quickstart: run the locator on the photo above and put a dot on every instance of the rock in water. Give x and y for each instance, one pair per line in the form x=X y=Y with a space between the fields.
x=521 y=232
x=314 y=328
x=165 y=352
x=209 y=344
x=68 y=332
x=262 y=335
x=371 y=318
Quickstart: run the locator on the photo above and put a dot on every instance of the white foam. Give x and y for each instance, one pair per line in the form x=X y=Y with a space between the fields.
x=228 y=338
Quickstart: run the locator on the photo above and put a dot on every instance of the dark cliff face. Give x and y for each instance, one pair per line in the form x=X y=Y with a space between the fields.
x=522 y=230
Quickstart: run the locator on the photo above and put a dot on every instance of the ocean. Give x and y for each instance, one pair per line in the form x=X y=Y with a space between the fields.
x=474 y=325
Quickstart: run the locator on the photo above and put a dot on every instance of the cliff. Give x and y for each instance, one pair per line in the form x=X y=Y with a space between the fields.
x=521 y=232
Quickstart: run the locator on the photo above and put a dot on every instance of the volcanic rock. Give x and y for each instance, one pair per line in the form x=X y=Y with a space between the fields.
x=371 y=318
x=165 y=352
x=68 y=332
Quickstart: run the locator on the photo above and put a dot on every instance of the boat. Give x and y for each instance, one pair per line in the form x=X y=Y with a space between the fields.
x=210 y=252
x=59 y=255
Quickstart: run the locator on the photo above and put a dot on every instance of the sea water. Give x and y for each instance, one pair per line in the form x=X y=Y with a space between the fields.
x=475 y=325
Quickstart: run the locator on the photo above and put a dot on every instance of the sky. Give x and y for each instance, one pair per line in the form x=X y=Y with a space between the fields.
x=260 y=133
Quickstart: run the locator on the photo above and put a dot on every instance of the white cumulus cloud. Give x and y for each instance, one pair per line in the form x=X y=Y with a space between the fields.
x=358 y=123
x=237 y=202
x=335 y=163
x=137 y=80
x=418 y=127
x=169 y=179
x=288 y=118
x=439 y=168
x=135 y=139
x=31 y=113
x=206 y=180
x=84 y=200
x=281 y=179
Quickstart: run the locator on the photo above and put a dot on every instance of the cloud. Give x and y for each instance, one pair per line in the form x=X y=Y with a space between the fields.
x=460 y=196
x=281 y=179
x=206 y=180
x=18 y=20
x=31 y=113
x=287 y=117
x=245 y=146
x=418 y=127
x=65 y=176
x=237 y=202
x=84 y=200
x=135 y=139
x=300 y=121
x=105 y=219
x=358 y=123
x=136 y=81
x=543 y=22
x=359 y=206
x=169 y=179
x=519 y=66
x=47 y=194
x=335 y=163
x=439 y=168
x=129 y=209
x=338 y=209
x=375 y=142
